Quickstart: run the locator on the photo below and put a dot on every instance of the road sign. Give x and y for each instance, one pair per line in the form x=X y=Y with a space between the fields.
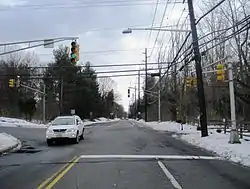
x=48 y=43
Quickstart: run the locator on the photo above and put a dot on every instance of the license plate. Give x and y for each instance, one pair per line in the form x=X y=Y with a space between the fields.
x=58 y=135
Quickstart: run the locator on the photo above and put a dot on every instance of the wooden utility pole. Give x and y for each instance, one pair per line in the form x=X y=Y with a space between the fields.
x=197 y=57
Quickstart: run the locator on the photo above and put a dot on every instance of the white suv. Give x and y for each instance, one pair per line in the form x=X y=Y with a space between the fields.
x=65 y=127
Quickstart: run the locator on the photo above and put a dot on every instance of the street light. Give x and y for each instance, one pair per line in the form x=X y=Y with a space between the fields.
x=129 y=30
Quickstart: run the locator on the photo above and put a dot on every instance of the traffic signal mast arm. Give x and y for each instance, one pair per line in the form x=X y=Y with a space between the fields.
x=33 y=89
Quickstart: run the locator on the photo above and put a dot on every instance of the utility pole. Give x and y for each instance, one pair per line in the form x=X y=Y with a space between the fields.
x=197 y=57
x=61 y=97
x=135 y=102
x=234 y=136
x=159 y=97
x=44 y=103
x=138 y=104
x=146 y=85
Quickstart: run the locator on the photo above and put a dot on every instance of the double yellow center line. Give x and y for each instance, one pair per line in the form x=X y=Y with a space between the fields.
x=51 y=181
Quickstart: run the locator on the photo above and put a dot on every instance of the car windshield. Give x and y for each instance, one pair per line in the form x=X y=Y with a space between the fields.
x=64 y=121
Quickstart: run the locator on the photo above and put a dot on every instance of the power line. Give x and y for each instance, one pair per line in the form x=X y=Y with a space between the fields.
x=153 y=21
x=185 y=40
x=242 y=29
x=86 y=76
x=86 y=5
x=95 y=66
x=102 y=51
x=218 y=36
x=164 y=13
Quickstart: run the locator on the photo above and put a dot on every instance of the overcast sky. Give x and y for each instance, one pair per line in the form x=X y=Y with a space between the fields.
x=98 y=27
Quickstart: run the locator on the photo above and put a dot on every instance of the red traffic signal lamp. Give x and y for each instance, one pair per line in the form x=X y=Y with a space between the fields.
x=73 y=53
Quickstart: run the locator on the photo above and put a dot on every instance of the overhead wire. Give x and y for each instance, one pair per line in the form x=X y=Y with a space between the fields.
x=216 y=37
x=153 y=20
x=163 y=16
x=185 y=40
x=81 y=5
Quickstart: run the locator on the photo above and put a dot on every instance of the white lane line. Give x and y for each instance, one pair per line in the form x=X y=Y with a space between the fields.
x=174 y=157
x=169 y=175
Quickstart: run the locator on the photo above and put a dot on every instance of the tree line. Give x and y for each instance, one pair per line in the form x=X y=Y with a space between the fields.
x=224 y=32
x=67 y=87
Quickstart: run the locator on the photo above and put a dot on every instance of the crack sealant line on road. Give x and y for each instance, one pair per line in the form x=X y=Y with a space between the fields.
x=156 y=157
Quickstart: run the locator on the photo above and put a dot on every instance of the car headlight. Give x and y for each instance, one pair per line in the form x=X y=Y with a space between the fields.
x=50 y=130
x=72 y=130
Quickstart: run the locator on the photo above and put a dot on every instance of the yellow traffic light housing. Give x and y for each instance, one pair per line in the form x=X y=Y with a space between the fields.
x=11 y=83
x=194 y=81
x=220 y=72
x=77 y=53
x=189 y=82
x=73 y=53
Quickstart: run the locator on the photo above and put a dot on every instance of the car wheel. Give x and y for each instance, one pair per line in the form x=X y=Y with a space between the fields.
x=81 y=137
x=76 y=140
x=49 y=142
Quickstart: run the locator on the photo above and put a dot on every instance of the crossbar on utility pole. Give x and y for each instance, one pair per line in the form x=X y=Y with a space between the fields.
x=200 y=87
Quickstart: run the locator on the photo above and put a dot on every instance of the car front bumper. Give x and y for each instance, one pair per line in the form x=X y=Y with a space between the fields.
x=63 y=135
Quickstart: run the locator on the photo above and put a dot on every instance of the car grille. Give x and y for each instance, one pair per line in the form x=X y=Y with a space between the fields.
x=59 y=130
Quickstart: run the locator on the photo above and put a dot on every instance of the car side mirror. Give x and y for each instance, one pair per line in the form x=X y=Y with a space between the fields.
x=77 y=122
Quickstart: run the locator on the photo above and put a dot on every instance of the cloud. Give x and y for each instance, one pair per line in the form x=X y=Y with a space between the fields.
x=98 y=29
x=11 y=3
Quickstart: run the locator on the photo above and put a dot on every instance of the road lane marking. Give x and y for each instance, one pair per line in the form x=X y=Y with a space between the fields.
x=169 y=175
x=61 y=174
x=45 y=182
x=174 y=157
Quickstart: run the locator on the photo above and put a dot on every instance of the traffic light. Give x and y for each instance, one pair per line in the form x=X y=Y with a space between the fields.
x=11 y=83
x=220 y=72
x=73 y=53
x=128 y=93
x=77 y=53
x=194 y=81
x=189 y=82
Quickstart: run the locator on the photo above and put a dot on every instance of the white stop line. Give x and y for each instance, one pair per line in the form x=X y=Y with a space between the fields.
x=156 y=157
x=169 y=176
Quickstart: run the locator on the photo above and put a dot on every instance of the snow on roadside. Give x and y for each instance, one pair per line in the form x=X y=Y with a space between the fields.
x=99 y=120
x=216 y=142
x=14 y=122
x=8 y=142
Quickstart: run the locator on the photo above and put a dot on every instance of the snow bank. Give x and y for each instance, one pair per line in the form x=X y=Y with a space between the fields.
x=99 y=120
x=8 y=142
x=14 y=122
x=216 y=142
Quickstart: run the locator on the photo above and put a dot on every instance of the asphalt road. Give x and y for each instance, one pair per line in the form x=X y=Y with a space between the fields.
x=117 y=155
